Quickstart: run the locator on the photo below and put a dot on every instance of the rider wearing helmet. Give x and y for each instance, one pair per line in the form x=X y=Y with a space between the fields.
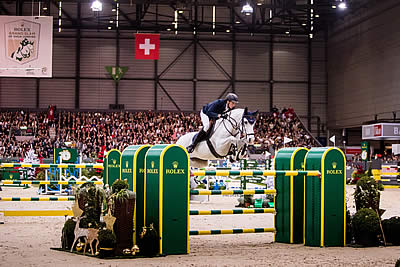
x=210 y=113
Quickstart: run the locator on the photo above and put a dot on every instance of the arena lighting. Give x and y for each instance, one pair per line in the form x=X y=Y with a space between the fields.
x=59 y=16
x=97 y=6
x=342 y=5
x=247 y=9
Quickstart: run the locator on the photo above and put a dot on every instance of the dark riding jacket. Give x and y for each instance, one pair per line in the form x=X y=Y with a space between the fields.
x=214 y=108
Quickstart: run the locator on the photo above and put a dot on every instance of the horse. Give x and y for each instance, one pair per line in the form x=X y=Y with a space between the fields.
x=229 y=137
x=24 y=50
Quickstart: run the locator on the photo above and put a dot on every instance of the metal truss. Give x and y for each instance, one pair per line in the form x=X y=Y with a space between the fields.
x=294 y=17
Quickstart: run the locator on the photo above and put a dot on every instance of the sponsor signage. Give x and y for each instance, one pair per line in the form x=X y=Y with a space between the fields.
x=26 y=48
x=381 y=131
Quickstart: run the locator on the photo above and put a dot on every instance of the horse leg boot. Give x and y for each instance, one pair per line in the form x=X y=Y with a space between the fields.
x=200 y=136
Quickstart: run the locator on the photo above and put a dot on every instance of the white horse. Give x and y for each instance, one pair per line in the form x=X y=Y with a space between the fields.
x=230 y=136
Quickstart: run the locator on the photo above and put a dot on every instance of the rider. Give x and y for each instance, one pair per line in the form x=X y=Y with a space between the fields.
x=210 y=113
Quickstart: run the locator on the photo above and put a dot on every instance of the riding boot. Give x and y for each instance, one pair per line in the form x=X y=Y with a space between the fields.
x=200 y=136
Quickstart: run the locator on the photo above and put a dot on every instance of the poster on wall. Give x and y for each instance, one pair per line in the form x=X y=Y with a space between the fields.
x=26 y=48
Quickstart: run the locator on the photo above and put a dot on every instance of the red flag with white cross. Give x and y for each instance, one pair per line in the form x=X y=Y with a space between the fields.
x=146 y=46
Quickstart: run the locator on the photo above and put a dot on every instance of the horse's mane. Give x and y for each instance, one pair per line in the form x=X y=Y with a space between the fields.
x=237 y=112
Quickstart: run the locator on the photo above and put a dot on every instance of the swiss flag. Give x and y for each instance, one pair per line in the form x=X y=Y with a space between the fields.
x=146 y=46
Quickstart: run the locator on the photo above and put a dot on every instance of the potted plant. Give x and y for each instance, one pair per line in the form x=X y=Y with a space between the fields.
x=248 y=200
x=365 y=226
x=107 y=242
x=366 y=194
x=91 y=199
x=67 y=237
x=123 y=208
x=391 y=228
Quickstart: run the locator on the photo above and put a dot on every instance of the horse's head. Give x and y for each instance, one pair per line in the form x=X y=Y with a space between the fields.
x=248 y=120
x=26 y=48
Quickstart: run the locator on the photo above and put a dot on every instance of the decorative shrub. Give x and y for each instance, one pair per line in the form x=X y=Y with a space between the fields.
x=118 y=185
x=366 y=227
x=149 y=241
x=357 y=175
x=248 y=199
x=91 y=199
x=201 y=186
x=366 y=194
x=67 y=237
x=391 y=228
x=107 y=239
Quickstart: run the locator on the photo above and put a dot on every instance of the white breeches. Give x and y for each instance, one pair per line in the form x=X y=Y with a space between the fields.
x=205 y=121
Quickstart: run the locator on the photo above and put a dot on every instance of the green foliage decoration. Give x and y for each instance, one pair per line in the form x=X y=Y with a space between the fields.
x=365 y=226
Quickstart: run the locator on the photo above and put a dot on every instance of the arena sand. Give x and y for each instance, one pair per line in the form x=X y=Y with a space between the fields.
x=26 y=241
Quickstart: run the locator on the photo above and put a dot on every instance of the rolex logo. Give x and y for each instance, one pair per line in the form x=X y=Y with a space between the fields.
x=175 y=164
x=152 y=164
x=126 y=164
x=334 y=164
x=114 y=161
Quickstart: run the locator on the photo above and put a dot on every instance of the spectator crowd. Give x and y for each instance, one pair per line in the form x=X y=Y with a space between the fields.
x=94 y=132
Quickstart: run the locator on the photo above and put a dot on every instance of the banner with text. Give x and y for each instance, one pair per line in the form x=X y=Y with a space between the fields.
x=26 y=48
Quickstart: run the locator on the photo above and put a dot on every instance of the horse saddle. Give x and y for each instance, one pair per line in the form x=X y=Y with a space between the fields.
x=207 y=137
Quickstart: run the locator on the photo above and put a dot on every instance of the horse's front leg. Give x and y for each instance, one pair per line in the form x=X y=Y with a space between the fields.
x=231 y=144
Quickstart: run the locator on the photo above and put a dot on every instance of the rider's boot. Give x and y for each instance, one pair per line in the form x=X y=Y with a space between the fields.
x=200 y=136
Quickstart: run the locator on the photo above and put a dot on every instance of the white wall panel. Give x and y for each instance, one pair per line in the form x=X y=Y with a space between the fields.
x=364 y=70
x=95 y=55
x=17 y=93
x=169 y=50
x=181 y=92
x=253 y=95
x=319 y=101
x=290 y=62
x=136 y=95
x=209 y=91
x=137 y=68
x=64 y=57
x=318 y=50
x=59 y=92
x=252 y=61
x=221 y=52
x=318 y=72
x=291 y=95
x=96 y=94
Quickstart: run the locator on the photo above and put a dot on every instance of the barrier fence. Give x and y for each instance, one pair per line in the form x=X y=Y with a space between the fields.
x=63 y=166
x=231 y=231
x=252 y=173
x=37 y=198
x=70 y=182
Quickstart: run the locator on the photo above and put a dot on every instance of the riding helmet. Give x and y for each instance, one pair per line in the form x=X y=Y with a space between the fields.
x=232 y=97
